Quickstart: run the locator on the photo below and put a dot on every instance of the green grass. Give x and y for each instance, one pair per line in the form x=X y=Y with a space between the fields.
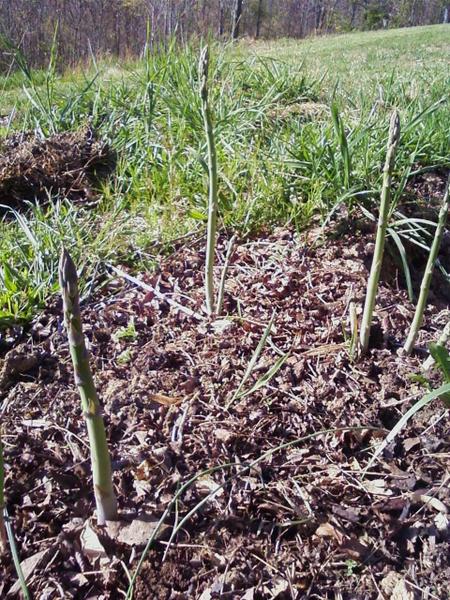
x=301 y=128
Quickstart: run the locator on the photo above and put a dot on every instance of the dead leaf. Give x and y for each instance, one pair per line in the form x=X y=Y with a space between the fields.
x=91 y=546
x=208 y=485
x=377 y=487
x=137 y=533
x=394 y=586
x=165 y=400
x=328 y=530
x=354 y=549
x=223 y=435
x=28 y=567
x=411 y=443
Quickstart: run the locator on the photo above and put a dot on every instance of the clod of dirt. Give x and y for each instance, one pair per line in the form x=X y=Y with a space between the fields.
x=66 y=163
x=16 y=363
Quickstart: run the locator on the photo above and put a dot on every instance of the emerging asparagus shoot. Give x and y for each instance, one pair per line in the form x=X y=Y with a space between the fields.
x=374 y=277
x=203 y=68
x=426 y=280
x=101 y=464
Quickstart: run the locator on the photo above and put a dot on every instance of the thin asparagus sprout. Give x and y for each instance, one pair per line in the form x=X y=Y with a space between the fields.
x=442 y=342
x=203 y=68
x=426 y=280
x=374 y=277
x=3 y=536
x=221 y=292
x=101 y=464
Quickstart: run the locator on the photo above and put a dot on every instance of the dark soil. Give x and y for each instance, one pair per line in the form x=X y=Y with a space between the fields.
x=305 y=521
x=69 y=164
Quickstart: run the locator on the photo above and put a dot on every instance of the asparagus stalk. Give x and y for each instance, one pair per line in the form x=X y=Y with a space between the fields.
x=3 y=536
x=426 y=280
x=374 y=277
x=203 y=68
x=101 y=464
x=442 y=342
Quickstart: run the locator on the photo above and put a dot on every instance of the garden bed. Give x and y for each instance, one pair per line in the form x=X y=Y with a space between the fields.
x=293 y=512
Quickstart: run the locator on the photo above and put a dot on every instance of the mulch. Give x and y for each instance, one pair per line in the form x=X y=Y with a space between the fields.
x=307 y=520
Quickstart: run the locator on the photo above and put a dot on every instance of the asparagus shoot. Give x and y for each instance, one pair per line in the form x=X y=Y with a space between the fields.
x=374 y=277
x=203 y=68
x=426 y=280
x=101 y=464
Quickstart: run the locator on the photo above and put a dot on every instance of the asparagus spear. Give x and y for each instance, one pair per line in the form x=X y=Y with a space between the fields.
x=101 y=464
x=374 y=277
x=426 y=280
x=203 y=68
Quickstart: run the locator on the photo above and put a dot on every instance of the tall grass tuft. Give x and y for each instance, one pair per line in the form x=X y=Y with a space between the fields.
x=426 y=280
x=203 y=69
x=101 y=464
x=374 y=277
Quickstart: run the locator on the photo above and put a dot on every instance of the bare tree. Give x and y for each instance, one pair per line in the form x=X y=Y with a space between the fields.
x=237 y=19
x=121 y=26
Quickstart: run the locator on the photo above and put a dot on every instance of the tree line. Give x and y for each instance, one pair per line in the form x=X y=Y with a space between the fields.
x=123 y=27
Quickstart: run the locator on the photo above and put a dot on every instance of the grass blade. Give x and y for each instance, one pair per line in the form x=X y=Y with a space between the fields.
x=16 y=559
x=253 y=360
x=439 y=393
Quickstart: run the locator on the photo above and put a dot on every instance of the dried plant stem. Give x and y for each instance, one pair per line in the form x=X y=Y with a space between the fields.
x=203 y=68
x=3 y=536
x=442 y=342
x=426 y=280
x=374 y=277
x=101 y=464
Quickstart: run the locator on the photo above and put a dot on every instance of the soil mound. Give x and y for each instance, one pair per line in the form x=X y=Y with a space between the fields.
x=66 y=163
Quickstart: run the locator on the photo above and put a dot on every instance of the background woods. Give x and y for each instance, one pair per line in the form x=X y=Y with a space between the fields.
x=121 y=27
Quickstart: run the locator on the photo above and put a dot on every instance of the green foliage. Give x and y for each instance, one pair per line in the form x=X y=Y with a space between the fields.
x=284 y=156
x=373 y=17
x=442 y=359
x=127 y=333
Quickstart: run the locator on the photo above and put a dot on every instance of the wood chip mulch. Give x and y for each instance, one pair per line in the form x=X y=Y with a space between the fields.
x=306 y=520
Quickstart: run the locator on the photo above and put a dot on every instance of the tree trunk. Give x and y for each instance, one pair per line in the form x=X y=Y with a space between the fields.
x=221 y=18
x=237 y=19
x=259 y=19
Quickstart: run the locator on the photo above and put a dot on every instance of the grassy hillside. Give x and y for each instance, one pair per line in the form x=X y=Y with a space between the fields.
x=301 y=129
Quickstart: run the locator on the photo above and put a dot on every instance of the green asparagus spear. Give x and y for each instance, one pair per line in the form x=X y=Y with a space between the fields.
x=374 y=277
x=203 y=68
x=101 y=464
x=426 y=280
